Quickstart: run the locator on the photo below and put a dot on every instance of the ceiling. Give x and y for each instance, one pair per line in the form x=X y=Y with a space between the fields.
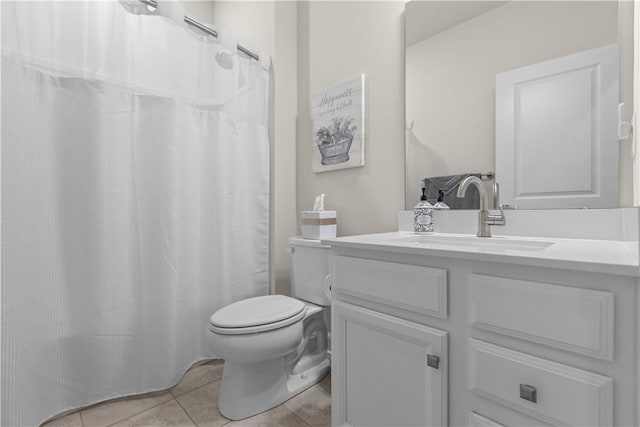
x=426 y=18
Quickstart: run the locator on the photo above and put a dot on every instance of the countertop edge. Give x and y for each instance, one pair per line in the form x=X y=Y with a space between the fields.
x=630 y=270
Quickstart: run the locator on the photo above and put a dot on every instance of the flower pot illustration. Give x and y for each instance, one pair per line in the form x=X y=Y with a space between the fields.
x=334 y=141
x=336 y=153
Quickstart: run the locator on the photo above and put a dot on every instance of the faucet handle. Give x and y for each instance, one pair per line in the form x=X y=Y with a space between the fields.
x=497 y=219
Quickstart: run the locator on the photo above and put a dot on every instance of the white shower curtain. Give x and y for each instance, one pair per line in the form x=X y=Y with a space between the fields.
x=135 y=191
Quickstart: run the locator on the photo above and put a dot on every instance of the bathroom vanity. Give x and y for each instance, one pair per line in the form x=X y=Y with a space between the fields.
x=452 y=329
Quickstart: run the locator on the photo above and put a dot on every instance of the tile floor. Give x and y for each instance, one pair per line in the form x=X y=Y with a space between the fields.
x=193 y=402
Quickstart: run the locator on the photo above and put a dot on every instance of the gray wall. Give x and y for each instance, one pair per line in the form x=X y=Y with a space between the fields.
x=337 y=41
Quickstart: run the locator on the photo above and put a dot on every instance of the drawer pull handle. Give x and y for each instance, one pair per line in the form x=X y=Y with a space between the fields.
x=433 y=361
x=528 y=392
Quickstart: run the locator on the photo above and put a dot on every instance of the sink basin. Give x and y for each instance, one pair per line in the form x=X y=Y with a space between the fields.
x=471 y=242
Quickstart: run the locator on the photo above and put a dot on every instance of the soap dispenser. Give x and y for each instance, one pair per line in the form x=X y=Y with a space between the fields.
x=423 y=215
x=440 y=204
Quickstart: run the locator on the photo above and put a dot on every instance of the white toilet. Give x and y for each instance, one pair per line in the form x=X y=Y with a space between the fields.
x=275 y=346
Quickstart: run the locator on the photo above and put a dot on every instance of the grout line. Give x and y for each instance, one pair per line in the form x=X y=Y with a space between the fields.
x=214 y=403
x=303 y=420
x=171 y=391
x=189 y=391
x=81 y=420
x=145 y=410
x=194 y=389
x=198 y=388
x=186 y=412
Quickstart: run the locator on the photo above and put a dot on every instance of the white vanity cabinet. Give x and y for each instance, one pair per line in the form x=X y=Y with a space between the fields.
x=388 y=370
x=394 y=372
x=422 y=338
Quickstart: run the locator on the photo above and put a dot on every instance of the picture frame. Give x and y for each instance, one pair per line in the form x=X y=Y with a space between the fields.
x=338 y=125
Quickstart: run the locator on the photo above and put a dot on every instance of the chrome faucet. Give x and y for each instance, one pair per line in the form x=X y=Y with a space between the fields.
x=485 y=219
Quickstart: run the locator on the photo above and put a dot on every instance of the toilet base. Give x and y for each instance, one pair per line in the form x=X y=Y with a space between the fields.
x=249 y=389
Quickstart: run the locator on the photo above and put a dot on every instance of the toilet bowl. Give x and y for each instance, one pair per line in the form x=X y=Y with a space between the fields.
x=275 y=346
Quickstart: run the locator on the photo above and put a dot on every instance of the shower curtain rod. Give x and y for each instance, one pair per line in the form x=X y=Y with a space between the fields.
x=204 y=28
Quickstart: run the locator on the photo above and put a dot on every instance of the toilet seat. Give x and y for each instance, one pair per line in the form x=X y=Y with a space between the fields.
x=259 y=314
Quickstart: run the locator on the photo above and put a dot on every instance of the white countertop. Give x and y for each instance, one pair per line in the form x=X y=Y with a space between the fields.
x=602 y=256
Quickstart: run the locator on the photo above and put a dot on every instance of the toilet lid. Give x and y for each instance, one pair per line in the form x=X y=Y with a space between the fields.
x=258 y=314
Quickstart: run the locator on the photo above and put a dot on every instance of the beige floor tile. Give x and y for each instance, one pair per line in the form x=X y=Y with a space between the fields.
x=71 y=420
x=279 y=416
x=201 y=405
x=196 y=402
x=198 y=376
x=326 y=383
x=167 y=414
x=107 y=413
x=314 y=404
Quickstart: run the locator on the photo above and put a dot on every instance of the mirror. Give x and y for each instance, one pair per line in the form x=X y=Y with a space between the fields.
x=454 y=49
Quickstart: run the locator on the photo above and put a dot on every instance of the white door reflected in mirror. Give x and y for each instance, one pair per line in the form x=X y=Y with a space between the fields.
x=556 y=132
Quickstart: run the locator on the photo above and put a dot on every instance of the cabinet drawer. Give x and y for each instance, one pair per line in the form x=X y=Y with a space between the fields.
x=409 y=287
x=552 y=392
x=565 y=317
x=477 y=420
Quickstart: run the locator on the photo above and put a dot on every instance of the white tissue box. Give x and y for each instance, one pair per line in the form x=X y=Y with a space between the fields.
x=318 y=224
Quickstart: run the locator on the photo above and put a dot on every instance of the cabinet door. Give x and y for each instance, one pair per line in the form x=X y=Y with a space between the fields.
x=386 y=371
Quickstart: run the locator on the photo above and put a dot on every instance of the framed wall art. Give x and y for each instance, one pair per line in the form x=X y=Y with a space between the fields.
x=338 y=117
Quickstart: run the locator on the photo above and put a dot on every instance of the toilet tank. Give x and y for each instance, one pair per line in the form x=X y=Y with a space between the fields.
x=310 y=279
